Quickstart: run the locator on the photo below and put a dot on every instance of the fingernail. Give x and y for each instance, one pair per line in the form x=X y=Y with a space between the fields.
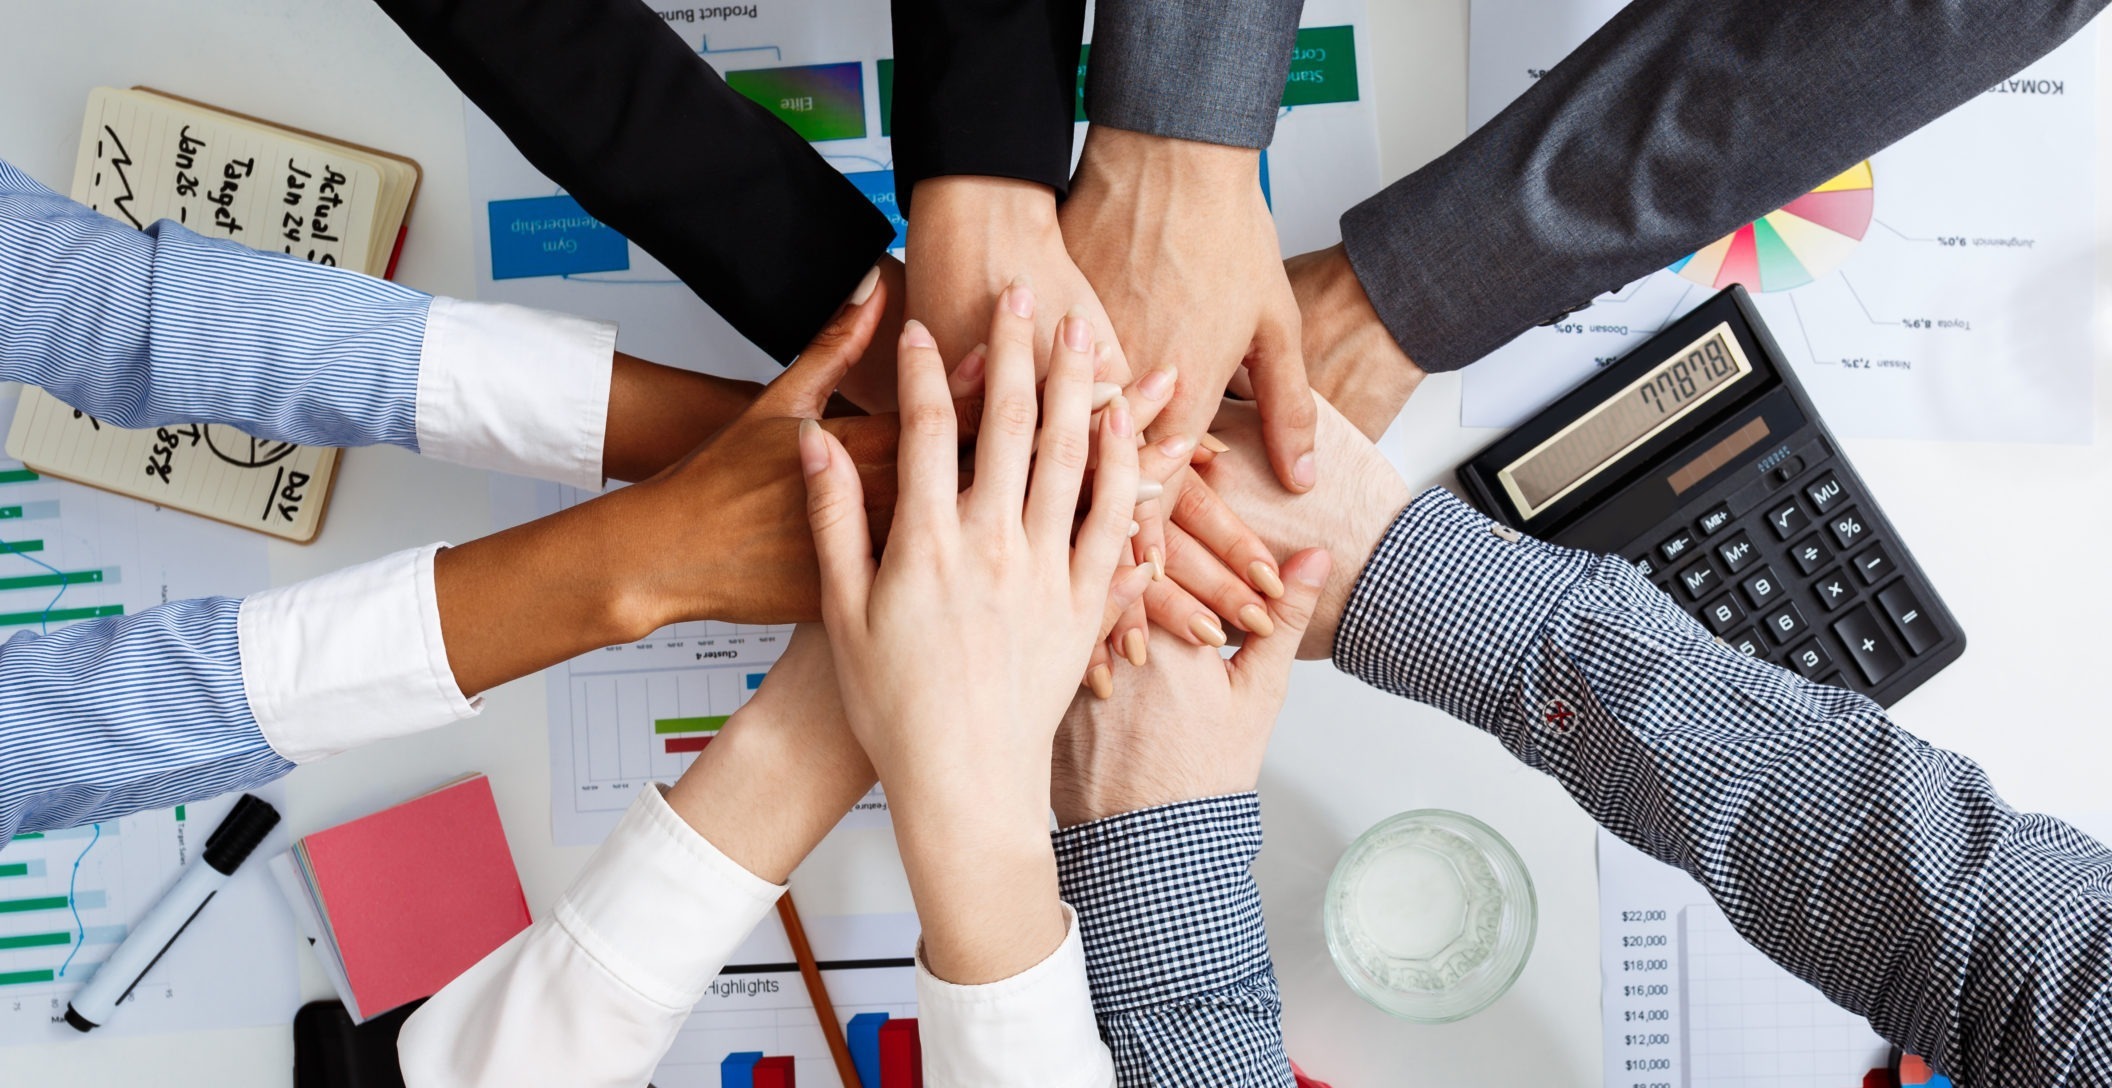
x=1263 y=577
x=1305 y=471
x=1157 y=559
x=1077 y=332
x=915 y=335
x=1204 y=626
x=1177 y=448
x=1019 y=297
x=1210 y=442
x=1312 y=574
x=1118 y=417
x=971 y=367
x=1103 y=353
x=1133 y=647
x=1256 y=620
x=1101 y=681
x=1157 y=385
x=1104 y=392
x=864 y=290
x=1135 y=528
x=813 y=452
x=1148 y=490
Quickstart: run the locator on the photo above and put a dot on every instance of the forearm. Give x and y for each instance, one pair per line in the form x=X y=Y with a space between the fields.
x=983 y=877
x=658 y=414
x=1205 y=70
x=1175 y=948
x=1979 y=932
x=714 y=186
x=1677 y=122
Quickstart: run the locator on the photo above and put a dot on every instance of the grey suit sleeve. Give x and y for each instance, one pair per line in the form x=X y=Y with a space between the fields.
x=1205 y=70
x=1676 y=123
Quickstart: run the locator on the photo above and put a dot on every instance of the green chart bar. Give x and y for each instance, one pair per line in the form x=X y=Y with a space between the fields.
x=711 y=724
x=60 y=615
x=19 y=476
x=18 y=906
x=36 y=940
x=14 y=868
x=20 y=978
x=20 y=546
x=40 y=581
x=29 y=836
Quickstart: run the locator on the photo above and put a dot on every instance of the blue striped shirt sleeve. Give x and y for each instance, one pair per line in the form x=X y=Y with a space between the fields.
x=103 y=719
x=142 y=328
x=1886 y=872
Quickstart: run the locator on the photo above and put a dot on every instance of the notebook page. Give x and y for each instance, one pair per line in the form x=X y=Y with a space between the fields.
x=141 y=159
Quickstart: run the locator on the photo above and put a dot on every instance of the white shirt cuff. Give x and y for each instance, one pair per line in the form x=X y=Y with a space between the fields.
x=349 y=658
x=595 y=993
x=1035 y=1028
x=508 y=388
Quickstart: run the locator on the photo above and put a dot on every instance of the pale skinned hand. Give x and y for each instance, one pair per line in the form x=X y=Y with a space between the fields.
x=1195 y=724
x=957 y=652
x=1177 y=239
x=1350 y=357
x=1347 y=513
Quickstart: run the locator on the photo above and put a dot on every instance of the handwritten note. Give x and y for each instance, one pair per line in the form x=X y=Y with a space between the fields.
x=145 y=157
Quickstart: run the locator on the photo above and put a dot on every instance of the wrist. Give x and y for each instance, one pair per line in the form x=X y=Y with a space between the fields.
x=1121 y=158
x=1351 y=357
x=963 y=199
x=1093 y=782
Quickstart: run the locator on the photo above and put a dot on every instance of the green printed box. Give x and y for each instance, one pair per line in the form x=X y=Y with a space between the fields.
x=820 y=101
x=886 y=75
x=1323 y=67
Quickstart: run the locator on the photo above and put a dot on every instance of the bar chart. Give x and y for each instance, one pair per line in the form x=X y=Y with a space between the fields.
x=69 y=896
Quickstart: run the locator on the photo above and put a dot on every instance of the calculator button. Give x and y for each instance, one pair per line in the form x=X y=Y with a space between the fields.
x=1714 y=521
x=1698 y=580
x=1737 y=553
x=1645 y=566
x=1873 y=565
x=1915 y=625
x=1763 y=587
x=1747 y=642
x=1665 y=588
x=1825 y=493
x=1834 y=589
x=1677 y=545
x=1811 y=659
x=1785 y=624
x=1790 y=470
x=1848 y=528
x=1810 y=554
x=1868 y=644
x=1722 y=614
x=1787 y=519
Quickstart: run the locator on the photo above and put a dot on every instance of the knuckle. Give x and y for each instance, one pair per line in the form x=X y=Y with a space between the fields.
x=1015 y=413
x=929 y=421
x=1191 y=505
x=1065 y=449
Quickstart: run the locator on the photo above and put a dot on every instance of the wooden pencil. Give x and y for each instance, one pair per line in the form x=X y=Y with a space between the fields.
x=817 y=992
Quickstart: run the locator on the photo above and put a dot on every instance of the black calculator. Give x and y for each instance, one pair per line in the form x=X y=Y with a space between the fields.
x=1700 y=459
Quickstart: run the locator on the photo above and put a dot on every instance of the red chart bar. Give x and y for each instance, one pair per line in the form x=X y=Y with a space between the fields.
x=901 y=1055
x=774 y=1072
x=677 y=745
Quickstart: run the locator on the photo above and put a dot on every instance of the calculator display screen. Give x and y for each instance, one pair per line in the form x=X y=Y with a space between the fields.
x=1620 y=424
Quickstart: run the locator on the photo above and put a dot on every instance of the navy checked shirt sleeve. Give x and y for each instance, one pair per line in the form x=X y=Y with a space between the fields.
x=1886 y=872
x=141 y=328
x=1175 y=950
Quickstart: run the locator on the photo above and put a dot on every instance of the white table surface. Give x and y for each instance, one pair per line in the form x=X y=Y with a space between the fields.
x=2011 y=534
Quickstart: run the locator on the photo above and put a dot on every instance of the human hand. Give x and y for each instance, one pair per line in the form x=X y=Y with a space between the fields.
x=1347 y=513
x=958 y=651
x=1177 y=239
x=1350 y=357
x=1195 y=724
x=970 y=237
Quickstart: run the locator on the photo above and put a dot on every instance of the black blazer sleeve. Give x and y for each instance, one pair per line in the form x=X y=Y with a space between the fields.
x=638 y=129
x=985 y=87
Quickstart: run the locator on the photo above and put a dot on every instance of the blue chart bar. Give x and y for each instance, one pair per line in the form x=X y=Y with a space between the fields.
x=738 y=1070
x=32 y=867
x=863 y=1035
x=755 y=680
x=29 y=511
x=85 y=831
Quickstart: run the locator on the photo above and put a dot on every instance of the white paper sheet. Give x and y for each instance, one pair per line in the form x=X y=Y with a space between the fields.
x=1964 y=312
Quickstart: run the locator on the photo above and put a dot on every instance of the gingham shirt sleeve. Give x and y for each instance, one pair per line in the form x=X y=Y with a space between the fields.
x=1886 y=872
x=1175 y=950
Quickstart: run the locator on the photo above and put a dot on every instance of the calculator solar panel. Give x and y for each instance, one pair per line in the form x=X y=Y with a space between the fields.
x=1700 y=459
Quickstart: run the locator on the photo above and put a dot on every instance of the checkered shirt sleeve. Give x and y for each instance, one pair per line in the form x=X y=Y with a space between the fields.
x=1175 y=950
x=1885 y=871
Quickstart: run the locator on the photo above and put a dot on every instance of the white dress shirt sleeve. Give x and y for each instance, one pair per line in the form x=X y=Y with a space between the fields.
x=594 y=993
x=515 y=390
x=1033 y=1030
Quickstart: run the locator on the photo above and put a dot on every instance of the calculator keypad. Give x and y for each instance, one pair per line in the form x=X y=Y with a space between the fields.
x=1843 y=610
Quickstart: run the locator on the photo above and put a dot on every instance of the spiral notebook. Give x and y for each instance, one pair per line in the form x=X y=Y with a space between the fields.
x=146 y=156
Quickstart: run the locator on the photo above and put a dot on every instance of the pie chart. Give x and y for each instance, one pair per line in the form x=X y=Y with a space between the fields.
x=1791 y=247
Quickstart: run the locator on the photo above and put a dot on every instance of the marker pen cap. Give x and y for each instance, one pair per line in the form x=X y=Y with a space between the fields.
x=246 y=824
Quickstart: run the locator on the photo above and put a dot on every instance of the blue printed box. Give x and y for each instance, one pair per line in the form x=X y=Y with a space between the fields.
x=552 y=236
x=879 y=187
